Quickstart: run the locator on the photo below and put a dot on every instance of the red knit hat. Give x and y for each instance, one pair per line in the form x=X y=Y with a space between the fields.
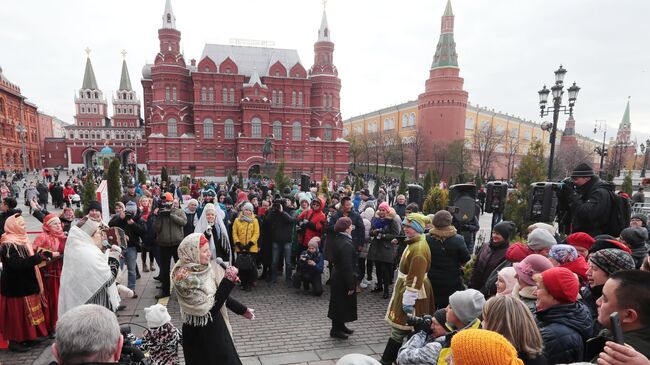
x=562 y=284
x=580 y=239
x=517 y=252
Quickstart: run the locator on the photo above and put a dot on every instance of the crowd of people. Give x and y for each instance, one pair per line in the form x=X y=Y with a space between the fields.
x=543 y=298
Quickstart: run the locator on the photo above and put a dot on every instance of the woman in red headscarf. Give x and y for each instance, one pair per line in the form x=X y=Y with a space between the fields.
x=51 y=240
x=21 y=313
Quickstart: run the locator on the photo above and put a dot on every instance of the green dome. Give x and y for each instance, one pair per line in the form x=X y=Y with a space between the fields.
x=106 y=150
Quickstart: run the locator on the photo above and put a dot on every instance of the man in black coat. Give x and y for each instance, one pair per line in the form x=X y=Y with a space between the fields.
x=128 y=218
x=280 y=225
x=43 y=194
x=343 y=298
x=589 y=202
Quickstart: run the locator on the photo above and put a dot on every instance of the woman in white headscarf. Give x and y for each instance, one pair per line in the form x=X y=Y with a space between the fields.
x=89 y=271
x=203 y=296
x=212 y=227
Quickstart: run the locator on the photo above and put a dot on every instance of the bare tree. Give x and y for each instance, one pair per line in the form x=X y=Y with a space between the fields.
x=440 y=155
x=398 y=155
x=417 y=144
x=569 y=157
x=486 y=141
x=460 y=159
x=511 y=150
x=388 y=144
x=355 y=149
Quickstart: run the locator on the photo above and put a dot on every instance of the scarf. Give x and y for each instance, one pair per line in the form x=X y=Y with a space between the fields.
x=527 y=292
x=218 y=230
x=442 y=233
x=85 y=274
x=195 y=284
x=245 y=218
x=16 y=235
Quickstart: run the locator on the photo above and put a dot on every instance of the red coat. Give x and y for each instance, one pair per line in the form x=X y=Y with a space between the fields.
x=314 y=228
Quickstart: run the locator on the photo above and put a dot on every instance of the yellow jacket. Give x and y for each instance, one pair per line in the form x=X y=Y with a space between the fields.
x=244 y=232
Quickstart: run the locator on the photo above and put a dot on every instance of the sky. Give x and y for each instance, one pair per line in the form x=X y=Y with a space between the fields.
x=507 y=49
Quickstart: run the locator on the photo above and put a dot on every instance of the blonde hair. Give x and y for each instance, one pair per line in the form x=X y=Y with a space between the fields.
x=511 y=318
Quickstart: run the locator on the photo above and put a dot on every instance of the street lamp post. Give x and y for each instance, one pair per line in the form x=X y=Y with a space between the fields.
x=557 y=107
x=601 y=125
x=621 y=148
x=645 y=149
x=21 y=129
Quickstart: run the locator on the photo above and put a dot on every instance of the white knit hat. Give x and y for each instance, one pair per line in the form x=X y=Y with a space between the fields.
x=156 y=315
x=540 y=239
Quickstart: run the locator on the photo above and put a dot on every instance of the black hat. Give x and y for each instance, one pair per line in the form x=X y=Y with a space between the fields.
x=441 y=316
x=227 y=200
x=642 y=217
x=505 y=229
x=95 y=205
x=635 y=237
x=582 y=170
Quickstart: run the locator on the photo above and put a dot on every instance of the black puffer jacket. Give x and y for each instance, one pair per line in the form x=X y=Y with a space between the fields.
x=564 y=329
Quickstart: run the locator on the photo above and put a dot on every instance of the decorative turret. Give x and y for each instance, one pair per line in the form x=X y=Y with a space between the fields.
x=324 y=31
x=324 y=50
x=446 y=55
x=168 y=18
x=89 y=83
x=625 y=128
x=169 y=36
x=126 y=106
x=91 y=107
x=125 y=80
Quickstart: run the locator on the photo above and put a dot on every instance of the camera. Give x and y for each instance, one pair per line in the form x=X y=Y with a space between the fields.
x=420 y=323
x=128 y=216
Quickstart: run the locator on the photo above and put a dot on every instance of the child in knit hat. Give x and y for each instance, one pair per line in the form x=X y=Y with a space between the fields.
x=481 y=347
x=161 y=340
x=310 y=269
x=506 y=281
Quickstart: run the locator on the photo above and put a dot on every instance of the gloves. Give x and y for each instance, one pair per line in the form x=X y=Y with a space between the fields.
x=115 y=252
x=231 y=274
x=249 y=245
x=208 y=232
x=239 y=246
x=408 y=301
x=250 y=314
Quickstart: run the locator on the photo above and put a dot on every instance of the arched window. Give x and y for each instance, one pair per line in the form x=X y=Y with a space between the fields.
x=256 y=125
x=224 y=96
x=171 y=127
x=211 y=95
x=274 y=97
x=174 y=94
x=167 y=93
x=280 y=98
x=412 y=119
x=331 y=101
x=405 y=120
x=208 y=129
x=277 y=130
x=229 y=129
x=204 y=95
x=327 y=135
x=300 y=98
x=232 y=96
x=296 y=131
x=324 y=101
x=293 y=98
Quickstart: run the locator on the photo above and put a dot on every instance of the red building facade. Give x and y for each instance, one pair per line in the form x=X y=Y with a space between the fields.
x=18 y=124
x=95 y=138
x=215 y=117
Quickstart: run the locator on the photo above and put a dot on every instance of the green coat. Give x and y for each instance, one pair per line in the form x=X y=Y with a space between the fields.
x=413 y=268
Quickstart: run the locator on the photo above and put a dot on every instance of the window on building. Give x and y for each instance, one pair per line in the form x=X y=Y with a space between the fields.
x=174 y=94
x=171 y=127
x=280 y=98
x=211 y=95
x=229 y=129
x=204 y=94
x=527 y=135
x=389 y=124
x=514 y=132
x=469 y=123
x=167 y=93
x=232 y=96
x=208 y=172
x=372 y=127
x=412 y=119
x=299 y=98
x=208 y=129
x=327 y=134
x=224 y=96
x=274 y=98
x=331 y=97
x=296 y=131
x=325 y=101
x=256 y=126
x=293 y=98
x=277 y=130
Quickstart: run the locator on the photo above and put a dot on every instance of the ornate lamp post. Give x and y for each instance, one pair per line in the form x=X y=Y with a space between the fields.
x=621 y=148
x=602 y=151
x=645 y=149
x=557 y=107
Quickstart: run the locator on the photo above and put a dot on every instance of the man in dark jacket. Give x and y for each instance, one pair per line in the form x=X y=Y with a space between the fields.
x=43 y=194
x=169 y=234
x=490 y=257
x=400 y=206
x=589 y=202
x=358 y=232
x=131 y=195
x=280 y=225
x=128 y=218
x=627 y=293
x=449 y=253
x=565 y=323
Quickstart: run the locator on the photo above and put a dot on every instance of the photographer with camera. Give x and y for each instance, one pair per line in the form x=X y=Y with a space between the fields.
x=168 y=225
x=309 y=269
x=280 y=225
x=425 y=344
x=128 y=219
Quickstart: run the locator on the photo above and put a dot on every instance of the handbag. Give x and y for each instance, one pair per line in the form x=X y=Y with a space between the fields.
x=244 y=262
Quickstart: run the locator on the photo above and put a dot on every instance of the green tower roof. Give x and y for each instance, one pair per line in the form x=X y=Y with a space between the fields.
x=446 y=55
x=626 y=116
x=89 y=77
x=125 y=80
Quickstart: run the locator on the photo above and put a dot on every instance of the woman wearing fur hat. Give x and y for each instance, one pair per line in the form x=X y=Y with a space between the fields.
x=412 y=292
x=245 y=233
x=203 y=296
x=51 y=240
x=21 y=312
x=448 y=254
x=383 y=232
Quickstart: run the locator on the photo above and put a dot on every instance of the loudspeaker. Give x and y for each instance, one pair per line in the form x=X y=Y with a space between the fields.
x=416 y=194
x=462 y=202
x=495 y=198
x=304 y=182
x=542 y=202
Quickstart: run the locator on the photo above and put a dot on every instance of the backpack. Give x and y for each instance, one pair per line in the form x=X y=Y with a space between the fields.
x=619 y=214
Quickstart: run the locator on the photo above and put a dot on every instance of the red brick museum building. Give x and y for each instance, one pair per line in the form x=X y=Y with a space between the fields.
x=215 y=116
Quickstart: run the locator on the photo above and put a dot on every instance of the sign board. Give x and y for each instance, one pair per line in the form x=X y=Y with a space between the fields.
x=102 y=198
